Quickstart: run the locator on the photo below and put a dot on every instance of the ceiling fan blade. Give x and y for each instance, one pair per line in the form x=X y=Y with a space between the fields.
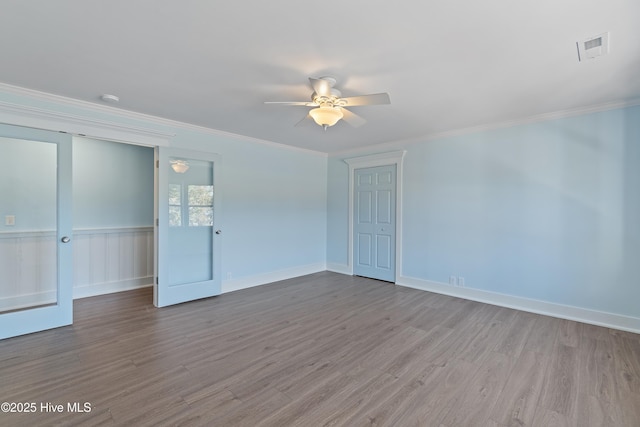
x=320 y=86
x=352 y=118
x=306 y=121
x=305 y=103
x=373 y=99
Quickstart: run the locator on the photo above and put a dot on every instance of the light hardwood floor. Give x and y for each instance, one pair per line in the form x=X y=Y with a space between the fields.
x=322 y=350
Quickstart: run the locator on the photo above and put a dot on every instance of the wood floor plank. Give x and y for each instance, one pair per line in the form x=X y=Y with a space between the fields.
x=322 y=350
x=569 y=332
x=560 y=388
x=597 y=374
x=481 y=392
x=440 y=387
x=517 y=402
x=512 y=344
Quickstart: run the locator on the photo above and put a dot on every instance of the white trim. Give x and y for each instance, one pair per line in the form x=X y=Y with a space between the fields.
x=126 y=114
x=33 y=117
x=19 y=302
x=562 y=114
x=111 y=287
x=76 y=231
x=112 y=230
x=45 y=119
x=270 y=277
x=584 y=315
x=49 y=297
x=381 y=159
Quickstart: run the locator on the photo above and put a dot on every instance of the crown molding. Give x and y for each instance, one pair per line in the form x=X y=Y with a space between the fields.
x=40 y=118
x=561 y=114
x=153 y=137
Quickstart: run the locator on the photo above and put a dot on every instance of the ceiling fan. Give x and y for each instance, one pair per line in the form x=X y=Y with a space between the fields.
x=330 y=107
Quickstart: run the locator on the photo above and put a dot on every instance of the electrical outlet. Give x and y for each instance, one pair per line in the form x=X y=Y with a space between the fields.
x=10 y=220
x=453 y=280
x=229 y=275
x=461 y=282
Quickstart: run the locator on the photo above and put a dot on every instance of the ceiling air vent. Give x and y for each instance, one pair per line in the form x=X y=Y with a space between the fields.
x=593 y=47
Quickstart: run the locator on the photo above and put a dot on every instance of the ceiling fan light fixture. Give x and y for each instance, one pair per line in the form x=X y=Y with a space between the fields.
x=326 y=116
x=179 y=166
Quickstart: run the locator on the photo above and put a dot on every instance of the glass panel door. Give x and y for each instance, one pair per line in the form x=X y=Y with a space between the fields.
x=35 y=231
x=188 y=240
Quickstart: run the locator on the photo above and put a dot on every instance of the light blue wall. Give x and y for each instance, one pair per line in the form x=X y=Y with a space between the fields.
x=274 y=199
x=274 y=205
x=546 y=211
x=28 y=167
x=112 y=184
x=337 y=211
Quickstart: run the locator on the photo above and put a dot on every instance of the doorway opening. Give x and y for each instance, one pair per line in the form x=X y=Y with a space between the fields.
x=113 y=216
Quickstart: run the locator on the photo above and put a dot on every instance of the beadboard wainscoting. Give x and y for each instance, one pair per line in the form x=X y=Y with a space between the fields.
x=111 y=260
x=104 y=260
x=28 y=266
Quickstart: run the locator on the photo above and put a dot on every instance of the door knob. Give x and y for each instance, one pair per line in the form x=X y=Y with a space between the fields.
x=65 y=239
x=218 y=231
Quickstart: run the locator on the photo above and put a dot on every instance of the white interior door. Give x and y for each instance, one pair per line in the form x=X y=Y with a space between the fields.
x=188 y=234
x=375 y=223
x=36 y=289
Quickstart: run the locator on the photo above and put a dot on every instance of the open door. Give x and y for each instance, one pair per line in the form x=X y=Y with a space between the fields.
x=188 y=237
x=36 y=289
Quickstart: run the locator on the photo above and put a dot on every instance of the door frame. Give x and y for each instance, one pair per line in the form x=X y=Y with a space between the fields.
x=382 y=159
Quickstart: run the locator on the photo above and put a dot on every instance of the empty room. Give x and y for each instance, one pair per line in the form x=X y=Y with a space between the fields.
x=285 y=213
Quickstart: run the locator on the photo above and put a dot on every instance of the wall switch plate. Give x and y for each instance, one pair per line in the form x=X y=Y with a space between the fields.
x=461 y=281
x=10 y=220
x=453 y=280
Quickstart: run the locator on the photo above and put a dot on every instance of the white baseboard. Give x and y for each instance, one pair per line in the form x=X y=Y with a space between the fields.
x=49 y=297
x=110 y=287
x=584 y=315
x=28 y=300
x=273 y=276
x=338 y=268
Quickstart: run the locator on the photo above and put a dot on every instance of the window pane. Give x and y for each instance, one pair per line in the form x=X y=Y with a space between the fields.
x=174 y=194
x=175 y=216
x=200 y=195
x=200 y=216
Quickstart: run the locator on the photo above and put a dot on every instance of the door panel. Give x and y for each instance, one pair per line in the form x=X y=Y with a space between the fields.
x=383 y=245
x=384 y=207
x=188 y=252
x=374 y=222
x=364 y=250
x=35 y=231
x=365 y=200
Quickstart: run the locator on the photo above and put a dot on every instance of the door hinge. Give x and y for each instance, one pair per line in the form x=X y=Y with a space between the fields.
x=157 y=280
x=158 y=164
x=157 y=221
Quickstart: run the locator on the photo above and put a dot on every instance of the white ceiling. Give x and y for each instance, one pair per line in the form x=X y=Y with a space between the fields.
x=447 y=65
